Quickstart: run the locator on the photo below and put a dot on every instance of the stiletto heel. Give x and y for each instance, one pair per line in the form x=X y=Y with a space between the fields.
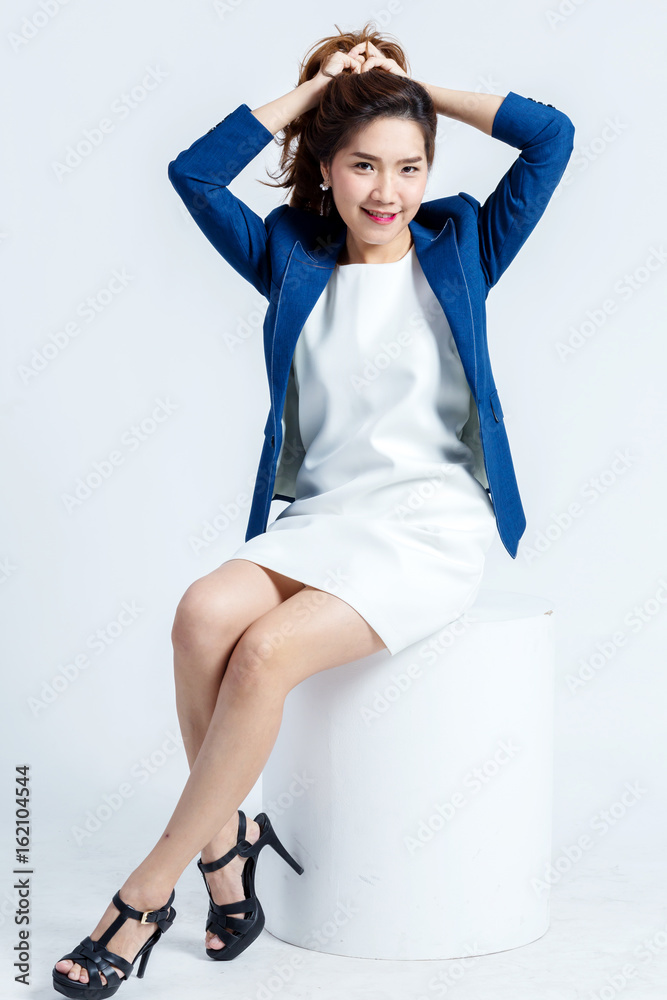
x=95 y=957
x=237 y=933
x=144 y=962
x=277 y=845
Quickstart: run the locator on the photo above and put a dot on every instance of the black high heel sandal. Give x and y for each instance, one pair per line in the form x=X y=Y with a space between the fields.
x=95 y=957
x=237 y=933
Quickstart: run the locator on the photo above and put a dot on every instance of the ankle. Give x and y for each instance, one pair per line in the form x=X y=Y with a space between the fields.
x=144 y=895
x=227 y=837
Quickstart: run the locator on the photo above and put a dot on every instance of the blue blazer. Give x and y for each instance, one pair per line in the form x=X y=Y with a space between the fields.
x=462 y=246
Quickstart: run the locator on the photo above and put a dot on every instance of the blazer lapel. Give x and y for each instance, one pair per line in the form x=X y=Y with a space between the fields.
x=306 y=275
x=438 y=254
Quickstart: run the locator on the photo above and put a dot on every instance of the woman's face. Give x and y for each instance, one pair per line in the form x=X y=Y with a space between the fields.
x=382 y=169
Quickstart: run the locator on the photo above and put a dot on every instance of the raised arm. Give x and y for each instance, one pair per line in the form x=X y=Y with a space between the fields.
x=202 y=172
x=200 y=175
x=545 y=137
x=465 y=105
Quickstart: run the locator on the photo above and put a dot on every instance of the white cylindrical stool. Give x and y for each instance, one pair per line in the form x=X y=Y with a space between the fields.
x=416 y=792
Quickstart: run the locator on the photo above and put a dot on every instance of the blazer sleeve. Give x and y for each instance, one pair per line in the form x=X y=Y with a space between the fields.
x=511 y=212
x=201 y=175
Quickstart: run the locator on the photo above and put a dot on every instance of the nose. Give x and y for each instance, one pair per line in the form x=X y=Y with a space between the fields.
x=383 y=191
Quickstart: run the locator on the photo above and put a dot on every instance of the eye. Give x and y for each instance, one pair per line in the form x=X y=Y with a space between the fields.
x=364 y=163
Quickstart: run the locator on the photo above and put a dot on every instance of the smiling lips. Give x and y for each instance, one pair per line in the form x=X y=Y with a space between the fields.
x=380 y=217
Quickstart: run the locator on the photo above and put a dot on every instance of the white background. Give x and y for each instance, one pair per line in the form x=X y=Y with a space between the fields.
x=166 y=336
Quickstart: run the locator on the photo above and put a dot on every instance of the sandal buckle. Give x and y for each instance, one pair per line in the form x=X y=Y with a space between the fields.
x=145 y=914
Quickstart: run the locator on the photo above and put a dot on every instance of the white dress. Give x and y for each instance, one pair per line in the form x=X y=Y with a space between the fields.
x=387 y=514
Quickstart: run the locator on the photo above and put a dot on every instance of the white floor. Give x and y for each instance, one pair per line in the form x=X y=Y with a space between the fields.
x=608 y=939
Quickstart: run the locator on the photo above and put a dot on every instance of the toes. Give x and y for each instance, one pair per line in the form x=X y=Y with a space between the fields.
x=214 y=942
x=75 y=971
x=84 y=977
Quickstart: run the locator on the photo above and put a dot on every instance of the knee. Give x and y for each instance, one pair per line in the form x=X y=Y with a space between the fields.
x=200 y=619
x=255 y=662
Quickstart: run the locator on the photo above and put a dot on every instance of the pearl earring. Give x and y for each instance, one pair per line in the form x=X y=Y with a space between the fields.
x=325 y=187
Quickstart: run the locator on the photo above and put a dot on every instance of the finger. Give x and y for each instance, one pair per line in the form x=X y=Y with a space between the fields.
x=365 y=49
x=370 y=62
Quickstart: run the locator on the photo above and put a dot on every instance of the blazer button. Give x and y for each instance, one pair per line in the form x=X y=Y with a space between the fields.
x=273 y=440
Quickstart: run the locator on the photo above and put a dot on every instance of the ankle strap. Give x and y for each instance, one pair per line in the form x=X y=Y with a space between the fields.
x=161 y=917
x=242 y=847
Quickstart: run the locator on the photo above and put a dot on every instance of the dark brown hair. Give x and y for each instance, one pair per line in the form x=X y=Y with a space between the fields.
x=349 y=102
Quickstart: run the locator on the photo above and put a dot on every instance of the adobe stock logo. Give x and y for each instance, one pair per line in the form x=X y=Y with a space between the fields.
x=104 y=468
x=88 y=309
x=33 y=24
x=92 y=138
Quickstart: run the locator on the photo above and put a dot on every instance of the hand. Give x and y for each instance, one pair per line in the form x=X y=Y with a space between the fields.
x=372 y=57
x=336 y=63
x=362 y=57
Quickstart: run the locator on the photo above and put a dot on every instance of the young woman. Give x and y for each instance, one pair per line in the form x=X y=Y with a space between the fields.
x=385 y=432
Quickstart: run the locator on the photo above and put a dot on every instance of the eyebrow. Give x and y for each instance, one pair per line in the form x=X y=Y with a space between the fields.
x=407 y=159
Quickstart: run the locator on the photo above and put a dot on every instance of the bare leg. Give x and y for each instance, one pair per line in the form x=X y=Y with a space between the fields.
x=212 y=615
x=308 y=632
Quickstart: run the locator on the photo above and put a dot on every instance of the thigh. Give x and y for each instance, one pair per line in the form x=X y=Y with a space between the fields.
x=310 y=631
x=217 y=607
x=258 y=588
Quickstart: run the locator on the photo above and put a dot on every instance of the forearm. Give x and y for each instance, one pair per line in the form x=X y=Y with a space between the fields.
x=277 y=114
x=466 y=106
